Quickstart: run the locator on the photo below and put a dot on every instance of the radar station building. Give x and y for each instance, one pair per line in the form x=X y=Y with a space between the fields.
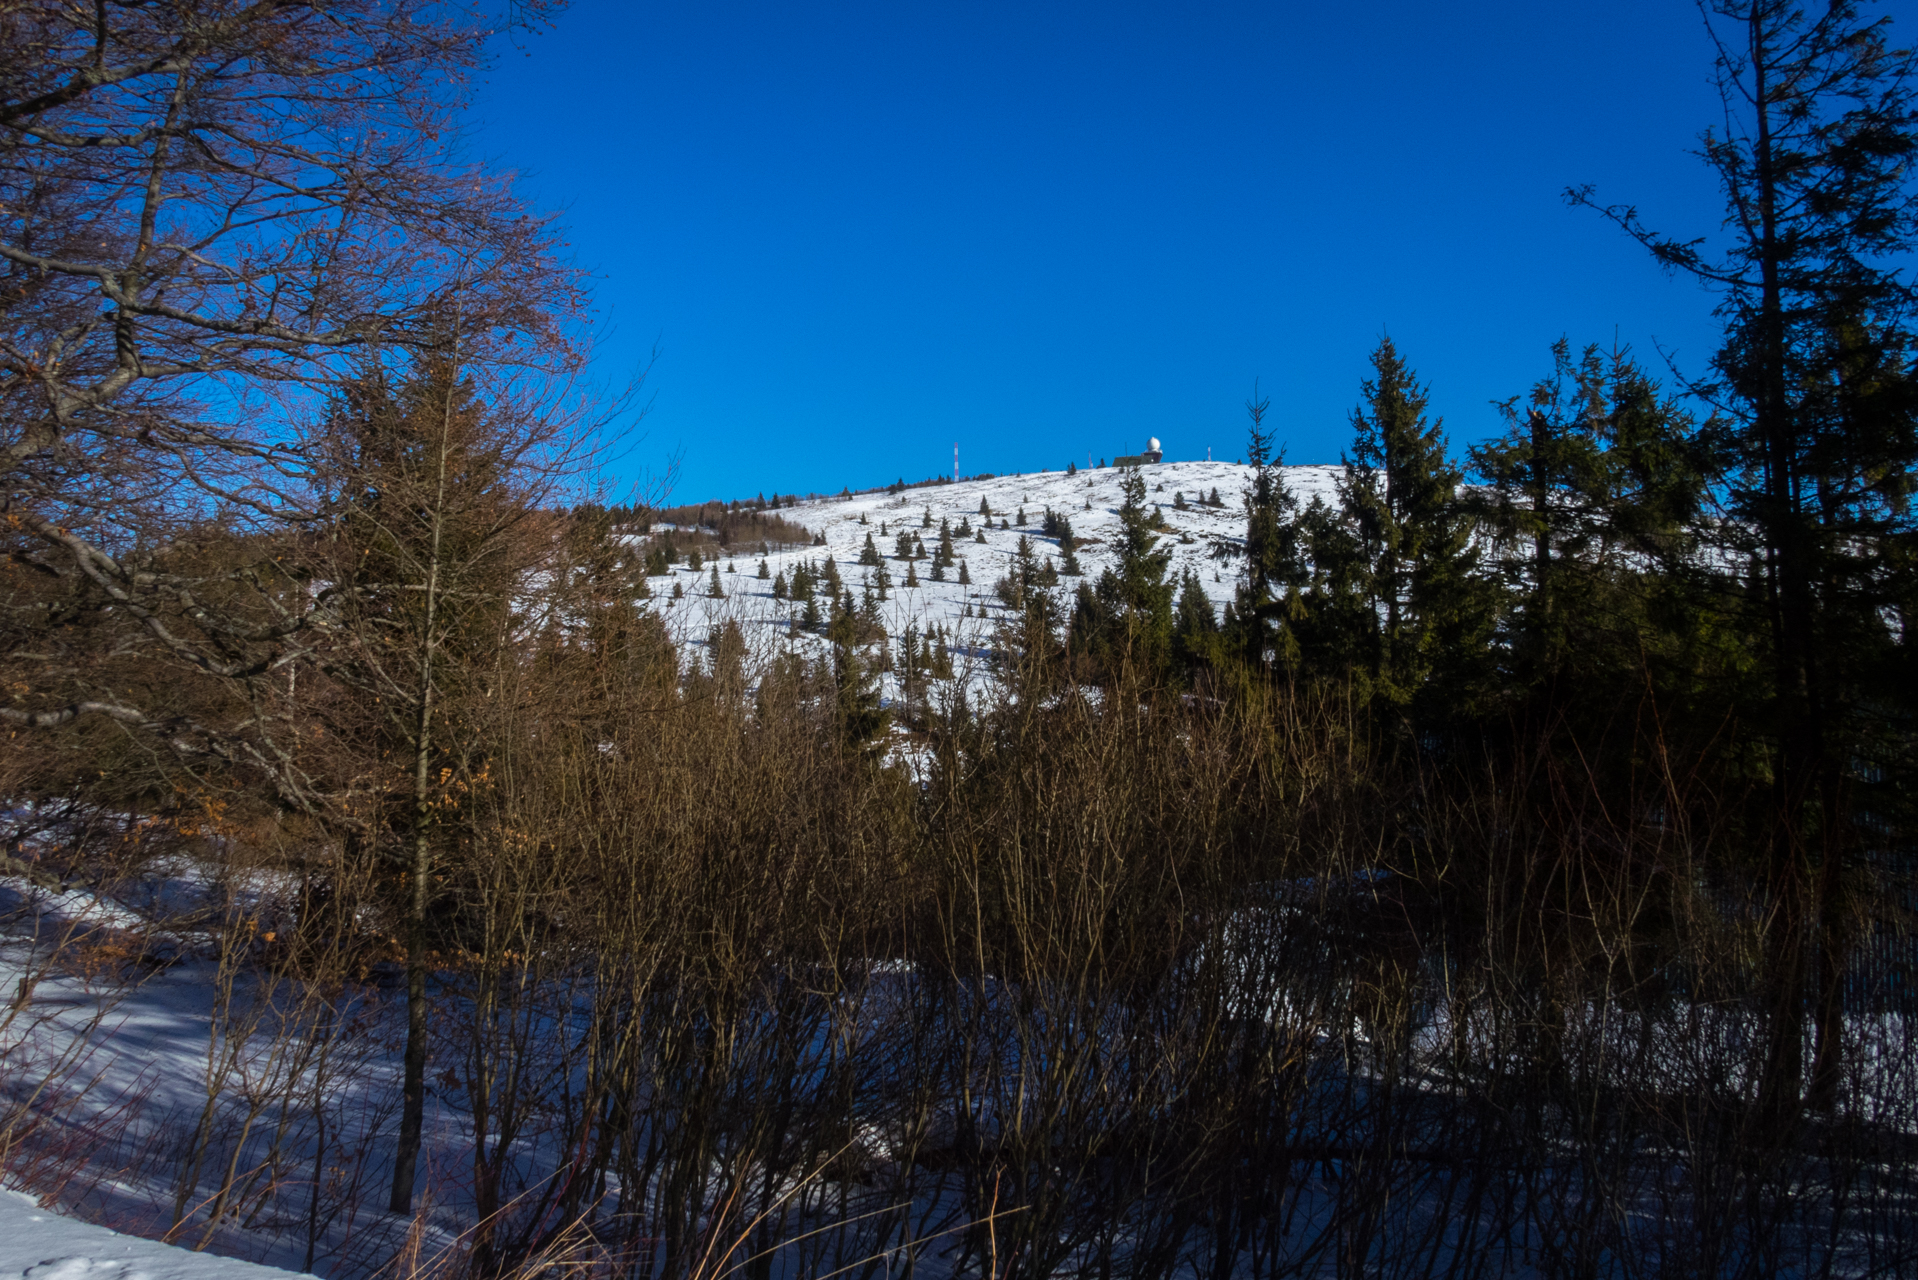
x=1152 y=454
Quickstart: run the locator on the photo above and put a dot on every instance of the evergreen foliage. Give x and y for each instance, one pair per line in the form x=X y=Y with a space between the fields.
x=1405 y=549
x=1055 y=525
x=1125 y=620
x=1819 y=430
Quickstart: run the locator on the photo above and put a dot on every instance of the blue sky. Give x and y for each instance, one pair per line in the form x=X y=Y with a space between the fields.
x=858 y=233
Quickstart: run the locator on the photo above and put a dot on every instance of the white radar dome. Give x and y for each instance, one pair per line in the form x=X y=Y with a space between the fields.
x=1152 y=445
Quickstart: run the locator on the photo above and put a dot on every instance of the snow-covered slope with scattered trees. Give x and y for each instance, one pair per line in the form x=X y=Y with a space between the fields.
x=987 y=547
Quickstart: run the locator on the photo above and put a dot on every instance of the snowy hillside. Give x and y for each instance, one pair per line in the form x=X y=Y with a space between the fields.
x=1089 y=500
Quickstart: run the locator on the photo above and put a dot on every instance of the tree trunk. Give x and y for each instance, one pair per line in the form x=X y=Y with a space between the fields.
x=413 y=1083
x=1790 y=602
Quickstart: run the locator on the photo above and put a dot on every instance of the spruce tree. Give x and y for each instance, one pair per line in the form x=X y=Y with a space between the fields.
x=912 y=574
x=1127 y=617
x=909 y=655
x=779 y=585
x=859 y=714
x=1025 y=567
x=1194 y=627
x=1399 y=496
x=1814 y=381
x=869 y=553
x=765 y=571
x=1543 y=507
x=715 y=590
x=1265 y=629
x=965 y=575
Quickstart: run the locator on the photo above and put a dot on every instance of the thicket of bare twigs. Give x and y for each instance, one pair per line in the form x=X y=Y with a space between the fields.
x=1128 y=985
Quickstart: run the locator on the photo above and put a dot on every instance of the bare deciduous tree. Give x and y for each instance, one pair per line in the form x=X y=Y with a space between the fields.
x=207 y=211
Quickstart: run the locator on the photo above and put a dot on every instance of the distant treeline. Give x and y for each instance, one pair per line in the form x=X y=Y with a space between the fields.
x=728 y=524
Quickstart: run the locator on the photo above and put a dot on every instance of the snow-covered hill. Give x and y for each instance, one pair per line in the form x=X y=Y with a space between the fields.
x=1089 y=500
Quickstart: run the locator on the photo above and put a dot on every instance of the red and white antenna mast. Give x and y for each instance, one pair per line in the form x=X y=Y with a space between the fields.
x=955 y=462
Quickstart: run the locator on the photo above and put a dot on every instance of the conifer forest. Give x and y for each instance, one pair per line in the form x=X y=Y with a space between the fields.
x=426 y=857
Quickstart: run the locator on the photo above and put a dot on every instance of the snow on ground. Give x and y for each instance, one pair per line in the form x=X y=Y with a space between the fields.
x=106 y=1074
x=36 y=1244
x=1089 y=499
